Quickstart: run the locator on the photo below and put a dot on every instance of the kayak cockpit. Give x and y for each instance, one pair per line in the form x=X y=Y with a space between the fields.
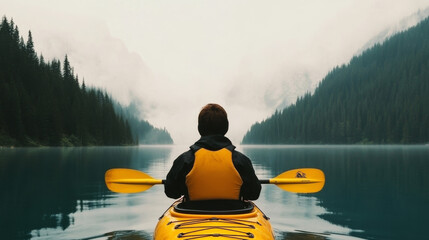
x=214 y=207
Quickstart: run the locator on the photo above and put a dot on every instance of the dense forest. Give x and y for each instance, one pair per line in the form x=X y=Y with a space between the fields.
x=380 y=96
x=44 y=104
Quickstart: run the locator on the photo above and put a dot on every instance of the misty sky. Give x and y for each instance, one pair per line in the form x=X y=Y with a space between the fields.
x=173 y=57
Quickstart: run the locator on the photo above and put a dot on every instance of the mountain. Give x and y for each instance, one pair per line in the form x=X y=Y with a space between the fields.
x=44 y=103
x=142 y=130
x=380 y=96
x=401 y=26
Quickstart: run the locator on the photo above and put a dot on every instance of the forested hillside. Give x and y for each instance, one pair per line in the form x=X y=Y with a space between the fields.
x=142 y=130
x=45 y=103
x=381 y=96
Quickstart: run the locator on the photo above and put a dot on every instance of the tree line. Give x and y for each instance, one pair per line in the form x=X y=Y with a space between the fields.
x=45 y=103
x=380 y=96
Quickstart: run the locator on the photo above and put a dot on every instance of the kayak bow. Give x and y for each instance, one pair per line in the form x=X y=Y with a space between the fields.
x=247 y=222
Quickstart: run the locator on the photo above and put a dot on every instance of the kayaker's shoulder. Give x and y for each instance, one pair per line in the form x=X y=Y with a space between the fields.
x=240 y=158
x=239 y=154
x=186 y=157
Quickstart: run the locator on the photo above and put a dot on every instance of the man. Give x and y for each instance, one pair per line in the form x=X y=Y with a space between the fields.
x=212 y=168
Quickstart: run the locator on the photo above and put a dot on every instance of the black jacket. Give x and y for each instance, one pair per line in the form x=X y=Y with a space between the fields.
x=175 y=184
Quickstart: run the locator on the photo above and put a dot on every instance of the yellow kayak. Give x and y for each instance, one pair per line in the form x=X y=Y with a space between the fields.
x=222 y=219
x=219 y=219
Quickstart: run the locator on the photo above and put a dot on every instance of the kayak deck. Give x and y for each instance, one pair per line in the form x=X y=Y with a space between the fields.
x=243 y=223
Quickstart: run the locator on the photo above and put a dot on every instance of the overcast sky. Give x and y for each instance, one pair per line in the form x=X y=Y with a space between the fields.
x=173 y=57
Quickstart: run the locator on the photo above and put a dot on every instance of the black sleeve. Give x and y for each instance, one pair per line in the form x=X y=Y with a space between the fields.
x=175 y=182
x=251 y=187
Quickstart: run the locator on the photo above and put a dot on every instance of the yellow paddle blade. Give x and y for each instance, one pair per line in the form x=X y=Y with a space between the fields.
x=122 y=180
x=303 y=180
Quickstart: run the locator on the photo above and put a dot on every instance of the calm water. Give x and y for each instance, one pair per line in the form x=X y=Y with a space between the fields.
x=371 y=192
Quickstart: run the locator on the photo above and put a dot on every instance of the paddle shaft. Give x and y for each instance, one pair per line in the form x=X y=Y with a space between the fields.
x=263 y=181
x=143 y=181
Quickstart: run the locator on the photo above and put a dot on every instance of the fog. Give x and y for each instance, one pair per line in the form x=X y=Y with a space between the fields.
x=173 y=57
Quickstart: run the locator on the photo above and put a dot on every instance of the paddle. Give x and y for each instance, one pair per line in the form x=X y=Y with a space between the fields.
x=303 y=180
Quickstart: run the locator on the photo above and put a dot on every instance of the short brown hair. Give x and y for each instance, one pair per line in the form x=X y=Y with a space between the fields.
x=212 y=120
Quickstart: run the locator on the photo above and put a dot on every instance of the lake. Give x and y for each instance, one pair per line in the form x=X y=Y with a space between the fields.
x=371 y=192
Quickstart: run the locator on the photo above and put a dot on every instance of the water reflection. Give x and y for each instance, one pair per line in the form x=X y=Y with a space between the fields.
x=123 y=235
x=45 y=188
x=371 y=191
x=301 y=236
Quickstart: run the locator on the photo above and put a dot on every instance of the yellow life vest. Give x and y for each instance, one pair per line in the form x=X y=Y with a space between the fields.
x=213 y=176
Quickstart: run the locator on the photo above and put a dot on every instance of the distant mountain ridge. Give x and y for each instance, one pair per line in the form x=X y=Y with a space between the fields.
x=380 y=96
x=403 y=25
x=142 y=130
x=44 y=103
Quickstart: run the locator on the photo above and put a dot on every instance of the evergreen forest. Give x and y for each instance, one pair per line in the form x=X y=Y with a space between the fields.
x=43 y=103
x=379 y=97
